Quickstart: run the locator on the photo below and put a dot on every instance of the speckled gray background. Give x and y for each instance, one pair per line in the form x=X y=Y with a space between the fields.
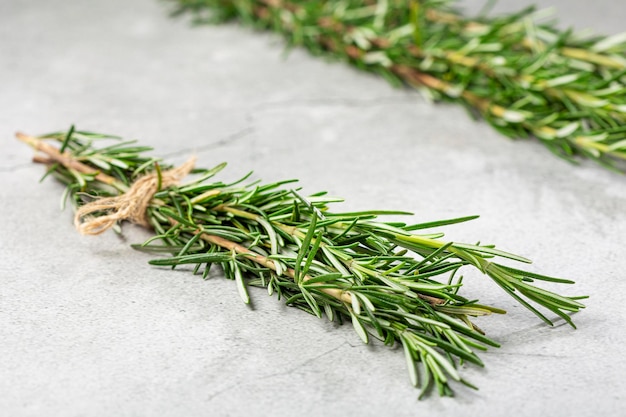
x=87 y=328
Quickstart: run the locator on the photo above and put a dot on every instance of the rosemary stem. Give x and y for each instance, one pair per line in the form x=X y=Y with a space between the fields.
x=68 y=161
x=525 y=77
x=268 y=263
x=294 y=232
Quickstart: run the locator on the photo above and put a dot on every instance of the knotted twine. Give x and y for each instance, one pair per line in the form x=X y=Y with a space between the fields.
x=131 y=205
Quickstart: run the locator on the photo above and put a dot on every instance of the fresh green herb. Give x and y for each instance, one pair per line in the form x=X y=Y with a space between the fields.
x=392 y=284
x=524 y=77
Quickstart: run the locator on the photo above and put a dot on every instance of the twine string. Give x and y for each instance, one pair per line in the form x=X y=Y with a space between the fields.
x=131 y=205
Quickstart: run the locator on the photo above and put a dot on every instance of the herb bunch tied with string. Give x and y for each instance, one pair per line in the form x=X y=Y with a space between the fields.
x=395 y=282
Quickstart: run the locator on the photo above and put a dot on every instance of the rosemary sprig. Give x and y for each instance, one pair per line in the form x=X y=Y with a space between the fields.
x=523 y=77
x=393 y=284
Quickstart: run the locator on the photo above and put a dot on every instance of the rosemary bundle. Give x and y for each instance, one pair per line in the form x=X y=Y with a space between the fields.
x=525 y=78
x=395 y=282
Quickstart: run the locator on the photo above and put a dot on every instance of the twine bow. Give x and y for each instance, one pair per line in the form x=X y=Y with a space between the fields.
x=129 y=206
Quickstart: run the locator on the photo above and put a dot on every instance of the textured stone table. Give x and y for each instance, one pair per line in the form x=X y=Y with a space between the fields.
x=87 y=328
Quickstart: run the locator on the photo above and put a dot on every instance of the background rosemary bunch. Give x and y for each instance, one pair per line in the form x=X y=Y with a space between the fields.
x=523 y=76
x=393 y=284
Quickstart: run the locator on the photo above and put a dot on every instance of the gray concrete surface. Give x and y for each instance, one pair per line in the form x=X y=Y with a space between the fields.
x=87 y=328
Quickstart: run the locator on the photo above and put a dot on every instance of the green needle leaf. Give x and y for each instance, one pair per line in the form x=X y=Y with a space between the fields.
x=358 y=327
